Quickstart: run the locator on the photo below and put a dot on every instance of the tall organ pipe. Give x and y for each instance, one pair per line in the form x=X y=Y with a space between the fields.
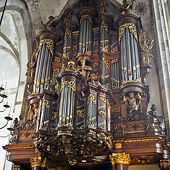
x=128 y=54
x=41 y=67
x=133 y=57
x=44 y=69
x=37 y=67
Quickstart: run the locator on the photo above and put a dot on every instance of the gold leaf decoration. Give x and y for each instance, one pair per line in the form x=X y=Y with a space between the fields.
x=131 y=27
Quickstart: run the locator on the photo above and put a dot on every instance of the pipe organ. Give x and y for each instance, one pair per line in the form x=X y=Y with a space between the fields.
x=87 y=103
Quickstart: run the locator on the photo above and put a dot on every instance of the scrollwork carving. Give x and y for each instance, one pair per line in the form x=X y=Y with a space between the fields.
x=131 y=27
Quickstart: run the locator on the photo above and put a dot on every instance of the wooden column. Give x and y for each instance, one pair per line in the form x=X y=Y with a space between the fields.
x=120 y=161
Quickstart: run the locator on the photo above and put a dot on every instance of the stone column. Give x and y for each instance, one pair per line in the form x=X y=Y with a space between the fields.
x=120 y=161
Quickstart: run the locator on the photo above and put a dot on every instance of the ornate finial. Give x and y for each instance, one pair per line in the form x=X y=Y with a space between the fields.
x=126 y=8
x=102 y=6
x=69 y=12
x=51 y=24
x=146 y=47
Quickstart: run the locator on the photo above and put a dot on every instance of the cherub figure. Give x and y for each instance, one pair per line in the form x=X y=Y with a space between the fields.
x=146 y=47
x=132 y=102
x=102 y=6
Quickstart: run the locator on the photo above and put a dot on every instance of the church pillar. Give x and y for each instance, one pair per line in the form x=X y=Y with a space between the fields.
x=120 y=161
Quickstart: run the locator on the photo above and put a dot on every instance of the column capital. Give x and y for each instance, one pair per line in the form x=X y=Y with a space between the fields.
x=120 y=158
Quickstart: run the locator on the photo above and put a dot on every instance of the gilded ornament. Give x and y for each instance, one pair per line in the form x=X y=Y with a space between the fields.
x=67 y=32
x=57 y=59
x=81 y=113
x=95 y=51
x=111 y=46
x=66 y=55
x=86 y=17
x=56 y=69
x=95 y=64
x=118 y=145
x=58 y=53
x=115 y=49
x=105 y=48
x=131 y=27
x=16 y=167
x=106 y=61
x=88 y=52
x=93 y=98
x=121 y=158
x=45 y=163
x=74 y=47
x=103 y=99
x=95 y=43
x=50 y=45
x=47 y=103
x=69 y=84
x=35 y=161
x=102 y=113
x=114 y=61
x=104 y=25
x=54 y=115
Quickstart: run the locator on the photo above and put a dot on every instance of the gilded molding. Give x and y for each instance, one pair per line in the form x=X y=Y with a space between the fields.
x=70 y=84
x=120 y=158
x=86 y=17
x=50 y=45
x=131 y=27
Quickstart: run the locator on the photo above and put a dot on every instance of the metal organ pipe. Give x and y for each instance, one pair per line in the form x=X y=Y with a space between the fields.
x=44 y=69
x=128 y=54
x=133 y=58
x=36 y=71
